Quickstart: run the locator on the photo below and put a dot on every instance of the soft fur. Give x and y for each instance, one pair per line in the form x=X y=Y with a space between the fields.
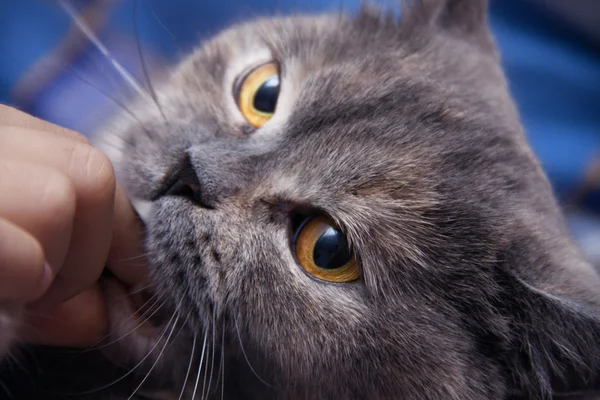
x=404 y=132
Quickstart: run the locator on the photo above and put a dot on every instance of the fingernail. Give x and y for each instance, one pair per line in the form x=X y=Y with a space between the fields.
x=46 y=279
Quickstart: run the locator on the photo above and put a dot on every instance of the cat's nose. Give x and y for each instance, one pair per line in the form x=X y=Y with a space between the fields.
x=185 y=183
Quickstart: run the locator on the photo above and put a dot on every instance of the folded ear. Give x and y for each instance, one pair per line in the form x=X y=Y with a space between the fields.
x=555 y=342
x=466 y=16
x=466 y=19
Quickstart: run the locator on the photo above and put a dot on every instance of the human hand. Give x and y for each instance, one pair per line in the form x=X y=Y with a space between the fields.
x=62 y=219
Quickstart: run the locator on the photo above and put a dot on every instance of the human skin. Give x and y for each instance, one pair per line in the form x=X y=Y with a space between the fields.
x=63 y=220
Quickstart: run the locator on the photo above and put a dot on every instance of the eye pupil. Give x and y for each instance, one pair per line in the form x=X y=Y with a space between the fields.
x=265 y=99
x=322 y=250
x=331 y=250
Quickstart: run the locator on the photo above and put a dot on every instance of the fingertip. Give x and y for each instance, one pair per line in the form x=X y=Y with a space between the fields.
x=46 y=278
x=126 y=257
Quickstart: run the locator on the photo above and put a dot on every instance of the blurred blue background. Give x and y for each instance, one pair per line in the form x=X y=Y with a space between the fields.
x=550 y=54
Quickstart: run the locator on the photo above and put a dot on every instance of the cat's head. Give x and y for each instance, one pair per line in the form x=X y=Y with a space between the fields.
x=354 y=197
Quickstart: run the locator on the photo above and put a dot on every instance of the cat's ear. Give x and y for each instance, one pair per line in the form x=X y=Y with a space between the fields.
x=554 y=340
x=463 y=16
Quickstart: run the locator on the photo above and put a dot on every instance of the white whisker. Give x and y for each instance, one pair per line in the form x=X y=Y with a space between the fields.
x=187 y=374
x=245 y=356
x=157 y=359
x=138 y=45
x=212 y=362
x=223 y=361
x=143 y=318
x=200 y=365
x=132 y=369
x=205 y=372
x=101 y=48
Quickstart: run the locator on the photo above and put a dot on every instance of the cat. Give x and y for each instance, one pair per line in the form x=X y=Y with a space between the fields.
x=344 y=207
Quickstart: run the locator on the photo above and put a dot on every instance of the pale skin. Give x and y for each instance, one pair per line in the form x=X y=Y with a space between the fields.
x=63 y=220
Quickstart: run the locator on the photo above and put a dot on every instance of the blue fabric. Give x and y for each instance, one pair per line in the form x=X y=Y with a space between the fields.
x=555 y=78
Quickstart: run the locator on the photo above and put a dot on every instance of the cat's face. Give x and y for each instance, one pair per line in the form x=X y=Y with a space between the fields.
x=401 y=140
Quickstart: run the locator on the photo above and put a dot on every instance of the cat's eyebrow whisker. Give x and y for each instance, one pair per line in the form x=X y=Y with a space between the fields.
x=81 y=24
x=111 y=98
x=163 y=25
x=138 y=45
x=244 y=353
x=187 y=374
x=200 y=365
x=157 y=359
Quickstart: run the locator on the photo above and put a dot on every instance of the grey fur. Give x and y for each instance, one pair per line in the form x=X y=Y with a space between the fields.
x=404 y=132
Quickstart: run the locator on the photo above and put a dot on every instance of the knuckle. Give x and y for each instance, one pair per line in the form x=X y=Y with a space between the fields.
x=58 y=198
x=97 y=171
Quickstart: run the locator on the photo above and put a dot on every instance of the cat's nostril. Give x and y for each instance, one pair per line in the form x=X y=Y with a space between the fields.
x=185 y=183
x=185 y=188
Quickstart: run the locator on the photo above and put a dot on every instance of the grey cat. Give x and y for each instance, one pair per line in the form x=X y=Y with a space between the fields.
x=343 y=207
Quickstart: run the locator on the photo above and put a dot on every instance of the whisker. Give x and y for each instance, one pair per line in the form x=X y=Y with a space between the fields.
x=125 y=259
x=223 y=361
x=127 y=77
x=157 y=359
x=187 y=374
x=138 y=45
x=89 y=34
x=163 y=25
x=109 y=97
x=200 y=365
x=245 y=356
x=212 y=362
x=205 y=372
x=118 y=103
x=141 y=289
x=101 y=345
x=132 y=369
x=5 y=390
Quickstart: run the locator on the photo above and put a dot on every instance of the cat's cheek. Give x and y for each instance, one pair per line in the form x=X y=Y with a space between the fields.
x=10 y=319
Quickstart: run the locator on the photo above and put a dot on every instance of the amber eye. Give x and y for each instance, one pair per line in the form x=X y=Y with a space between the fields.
x=257 y=93
x=323 y=251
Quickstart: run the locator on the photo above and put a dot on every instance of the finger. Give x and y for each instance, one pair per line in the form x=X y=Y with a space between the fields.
x=93 y=178
x=12 y=117
x=126 y=257
x=78 y=322
x=24 y=274
x=41 y=201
